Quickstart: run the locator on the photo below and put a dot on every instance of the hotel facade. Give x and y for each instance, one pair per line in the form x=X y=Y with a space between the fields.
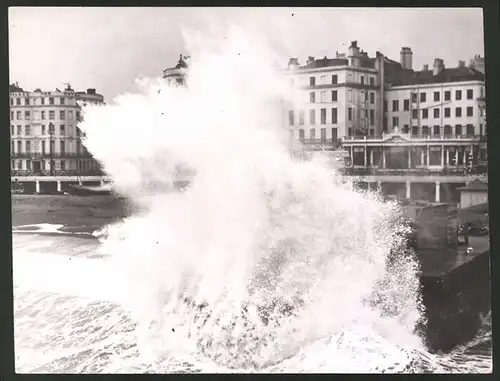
x=45 y=138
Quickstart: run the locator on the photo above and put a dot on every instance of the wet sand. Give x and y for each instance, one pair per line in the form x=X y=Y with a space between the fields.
x=69 y=210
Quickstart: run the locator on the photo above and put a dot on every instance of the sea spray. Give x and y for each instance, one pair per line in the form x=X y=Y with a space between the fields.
x=262 y=255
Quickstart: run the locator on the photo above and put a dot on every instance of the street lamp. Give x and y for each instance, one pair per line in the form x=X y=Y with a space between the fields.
x=51 y=134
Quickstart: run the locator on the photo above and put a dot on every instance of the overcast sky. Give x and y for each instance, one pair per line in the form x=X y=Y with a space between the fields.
x=107 y=48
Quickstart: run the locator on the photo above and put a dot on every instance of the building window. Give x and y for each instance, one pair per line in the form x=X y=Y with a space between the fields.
x=323 y=116
x=395 y=105
x=322 y=96
x=447 y=130
x=470 y=111
x=425 y=131
x=436 y=96
x=334 y=96
x=423 y=97
x=78 y=115
x=12 y=130
x=62 y=100
x=19 y=115
x=312 y=116
x=43 y=115
x=395 y=121
x=43 y=147
x=27 y=101
x=335 y=79
x=301 y=117
x=52 y=115
x=447 y=95
x=470 y=94
x=62 y=115
x=43 y=129
x=372 y=81
x=349 y=131
x=62 y=147
x=349 y=114
x=27 y=130
x=366 y=95
x=414 y=131
x=312 y=81
x=458 y=95
x=470 y=130
x=291 y=120
x=301 y=136
x=28 y=146
x=78 y=133
x=436 y=112
x=51 y=128
x=18 y=101
x=413 y=97
x=362 y=79
x=372 y=98
x=406 y=129
x=42 y=100
x=312 y=134
x=312 y=97
x=12 y=115
x=458 y=112
x=19 y=132
x=12 y=101
x=27 y=115
x=425 y=113
x=372 y=117
x=385 y=106
x=334 y=116
x=458 y=129
x=12 y=147
x=62 y=130
x=447 y=112
x=323 y=135
x=414 y=114
x=436 y=130
x=349 y=95
x=63 y=165
x=51 y=101
x=19 y=147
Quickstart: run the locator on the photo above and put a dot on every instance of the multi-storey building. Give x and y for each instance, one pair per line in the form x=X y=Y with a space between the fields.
x=176 y=75
x=341 y=97
x=441 y=101
x=45 y=138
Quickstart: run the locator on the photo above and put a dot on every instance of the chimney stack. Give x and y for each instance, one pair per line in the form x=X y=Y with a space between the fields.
x=438 y=66
x=461 y=63
x=310 y=60
x=406 y=58
x=293 y=63
x=426 y=67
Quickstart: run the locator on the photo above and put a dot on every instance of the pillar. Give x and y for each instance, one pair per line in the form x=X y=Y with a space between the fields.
x=383 y=157
x=442 y=156
x=59 y=186
x=79 y=181
x=456 y=156
x=421 y=155
x=438 y=191
x=465 y=155
x=37 y=186
x=371 y=157
x=365 y=156
x=408 y=189
x=409 y=157
x=379 y=186
x=447 y=156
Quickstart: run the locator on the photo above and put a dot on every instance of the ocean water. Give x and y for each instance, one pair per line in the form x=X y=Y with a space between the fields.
x=71 y=317
x=265 y=263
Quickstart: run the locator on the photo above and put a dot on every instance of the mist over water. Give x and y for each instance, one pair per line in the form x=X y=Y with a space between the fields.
x=264 y=260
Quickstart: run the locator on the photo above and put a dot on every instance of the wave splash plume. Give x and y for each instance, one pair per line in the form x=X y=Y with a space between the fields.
x=263 y=262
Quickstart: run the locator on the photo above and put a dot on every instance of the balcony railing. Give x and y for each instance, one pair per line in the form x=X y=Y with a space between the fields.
x=461 y=171
x=26 y=173
x=481 y=138
x=47 y=155
x=320 y=143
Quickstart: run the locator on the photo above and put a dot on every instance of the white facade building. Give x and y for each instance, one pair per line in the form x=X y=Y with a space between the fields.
x=44 y=134
x=447 y=102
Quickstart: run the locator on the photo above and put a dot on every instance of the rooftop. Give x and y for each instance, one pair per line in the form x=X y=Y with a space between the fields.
x=457 y=74
x=475 y=185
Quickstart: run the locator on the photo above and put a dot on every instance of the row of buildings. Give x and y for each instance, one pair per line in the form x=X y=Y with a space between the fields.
x=45 y=138
x=414 y=133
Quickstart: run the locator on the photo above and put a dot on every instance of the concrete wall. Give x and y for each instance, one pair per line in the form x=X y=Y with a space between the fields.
x=468 y=198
